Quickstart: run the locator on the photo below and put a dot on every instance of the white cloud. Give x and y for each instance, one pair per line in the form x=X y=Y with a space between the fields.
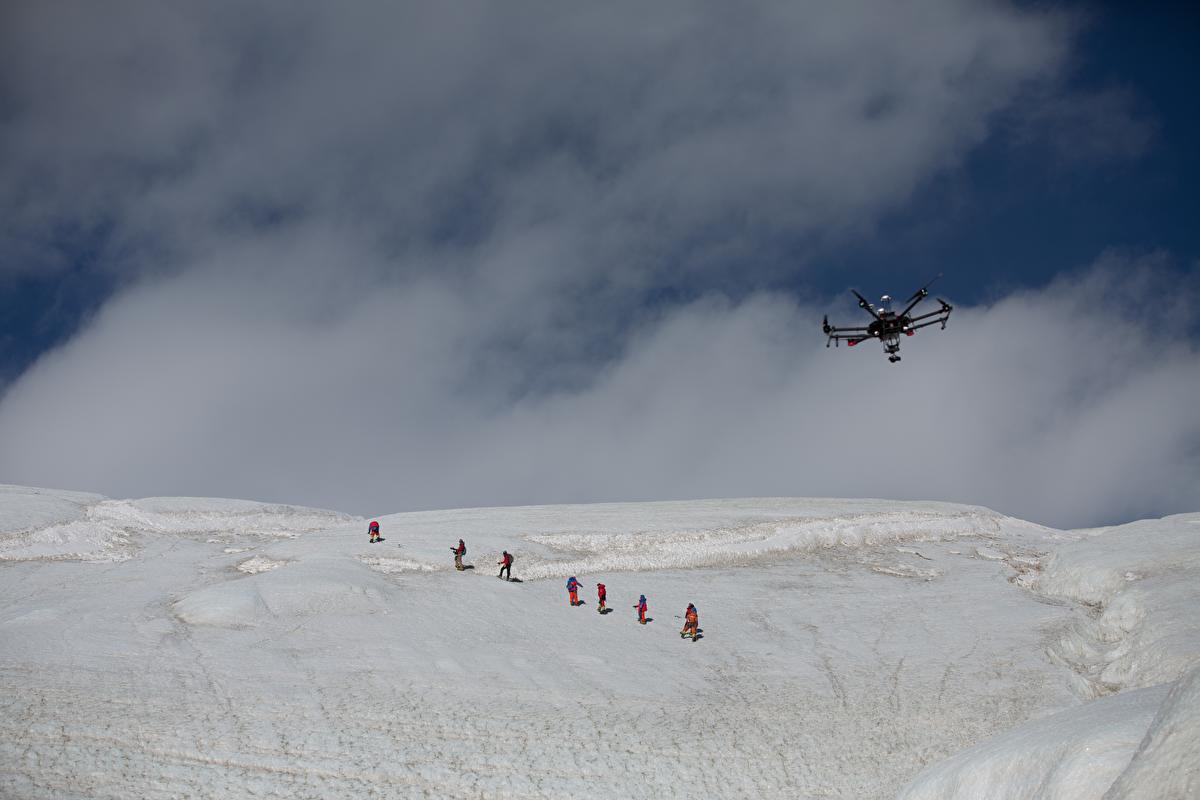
x=1055 y=405
x=634 y=128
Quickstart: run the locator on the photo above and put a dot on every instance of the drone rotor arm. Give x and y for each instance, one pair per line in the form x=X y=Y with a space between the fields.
x=919 y=295
x=944 y=311
x=913 y=301
x=850 y=336
x=925 y=324
x=926 y=316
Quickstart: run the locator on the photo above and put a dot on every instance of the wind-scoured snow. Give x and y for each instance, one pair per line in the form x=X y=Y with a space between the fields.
x=257 y=564
x=183 y=647
x=392 y=566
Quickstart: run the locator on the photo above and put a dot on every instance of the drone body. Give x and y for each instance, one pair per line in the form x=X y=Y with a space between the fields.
x=887 y=326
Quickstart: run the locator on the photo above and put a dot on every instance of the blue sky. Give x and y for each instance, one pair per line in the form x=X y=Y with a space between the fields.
x=241 y=249
x=1019 y=214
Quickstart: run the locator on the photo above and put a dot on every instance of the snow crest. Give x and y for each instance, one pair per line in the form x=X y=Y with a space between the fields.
x=75 y=526
x=590 y=553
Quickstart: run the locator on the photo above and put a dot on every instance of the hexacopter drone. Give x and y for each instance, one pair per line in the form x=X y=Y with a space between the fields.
x=889 y=325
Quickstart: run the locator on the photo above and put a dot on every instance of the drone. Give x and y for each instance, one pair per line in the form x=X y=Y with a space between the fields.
x=889 y=325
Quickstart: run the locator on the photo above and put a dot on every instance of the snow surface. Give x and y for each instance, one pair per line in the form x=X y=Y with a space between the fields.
x=1139 y=585
x=1142 y=580
x=1076 y=753
x=184 y=647
x=1167 y=761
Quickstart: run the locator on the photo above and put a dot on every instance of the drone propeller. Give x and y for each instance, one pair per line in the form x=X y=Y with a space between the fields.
x=918 y=296
x=924 y=290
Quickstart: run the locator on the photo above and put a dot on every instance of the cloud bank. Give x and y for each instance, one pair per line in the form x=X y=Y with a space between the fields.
x=399 y=256
x=1059 y=405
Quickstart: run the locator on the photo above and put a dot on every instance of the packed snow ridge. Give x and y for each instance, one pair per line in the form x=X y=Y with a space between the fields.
x=188 y=647
x=74 y=525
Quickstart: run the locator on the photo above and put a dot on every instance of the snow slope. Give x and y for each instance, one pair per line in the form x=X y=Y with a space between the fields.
x=188 y=647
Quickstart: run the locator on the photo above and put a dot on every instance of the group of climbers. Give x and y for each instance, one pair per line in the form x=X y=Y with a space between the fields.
x=505 y=561
x=459 y=551
x=691 y=625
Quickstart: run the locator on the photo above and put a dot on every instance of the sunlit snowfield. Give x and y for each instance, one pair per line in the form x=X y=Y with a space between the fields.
x=171 y=648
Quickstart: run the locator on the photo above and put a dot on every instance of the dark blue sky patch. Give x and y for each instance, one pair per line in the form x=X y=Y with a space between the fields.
x=41 y=313
x=1023 y=209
